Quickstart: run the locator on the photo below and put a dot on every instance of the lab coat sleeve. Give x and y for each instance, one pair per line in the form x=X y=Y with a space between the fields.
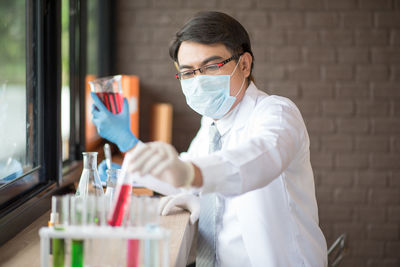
x=275 y=136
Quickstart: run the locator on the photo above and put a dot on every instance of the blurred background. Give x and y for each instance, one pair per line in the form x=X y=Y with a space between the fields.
x=339 y=61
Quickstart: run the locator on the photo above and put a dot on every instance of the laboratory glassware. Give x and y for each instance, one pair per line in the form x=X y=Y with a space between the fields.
x=112 y=177
x=89 y=183
x=59 y=217
x=78 y=218
x=109 y=91
x=121 y=199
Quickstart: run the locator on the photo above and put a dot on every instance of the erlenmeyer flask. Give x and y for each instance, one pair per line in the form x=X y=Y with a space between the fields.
x=89 y=183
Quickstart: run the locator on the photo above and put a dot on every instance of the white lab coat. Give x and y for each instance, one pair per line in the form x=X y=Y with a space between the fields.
x=264 y=173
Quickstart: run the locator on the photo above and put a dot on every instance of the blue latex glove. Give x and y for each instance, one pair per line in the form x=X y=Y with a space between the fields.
x=113 y=127
x=102 y=168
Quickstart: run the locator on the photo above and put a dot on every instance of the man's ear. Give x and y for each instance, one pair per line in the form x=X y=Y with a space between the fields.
x=246 y=64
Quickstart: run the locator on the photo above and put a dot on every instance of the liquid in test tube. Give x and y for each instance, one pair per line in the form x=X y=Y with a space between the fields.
x=121 y=200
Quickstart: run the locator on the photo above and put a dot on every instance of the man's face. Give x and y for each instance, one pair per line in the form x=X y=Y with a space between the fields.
x=193 y=55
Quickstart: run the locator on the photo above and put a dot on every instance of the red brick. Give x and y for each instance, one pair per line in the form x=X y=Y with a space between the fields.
x=270 y=72
x=320 y=125
x=312 y=90
x=157 y=4
x=353 y=19
x=394 y=214
x=287 y=19
x=392 y=249
x=305 y=4
x=338 y=107
x=385 y=55
x=387 y=19
x=258 y=18
x=308 y=107
x=386 y=90
x=395 y=71
x=324 y=195
x=370 y=214
x=303 y=37
x=268 y=37
x=386 y=196
x=350 y=195
x=284 y=54
x=353 y=55
x=338 y=72
x=343 y=143
x=385 y=161
x=353 y=125
x=356 y=90
x=371 y=178
x=372 y=108
x=353 y=161
x=386 y=125
x=383 y=232
x=337 y=37
x=379 y=262
x=337 y=178
x=341 y=4
x=336 y=213
x=372 y=144
x=287 y=89
x=375 y=5
x=271 y=4
x=395 y=37
x=372 y=73
x=304 y=73
x=367 y=247
x=322 y=20
x=352 y=230
x=320 y=54
x=372 y=37
x=321 y=160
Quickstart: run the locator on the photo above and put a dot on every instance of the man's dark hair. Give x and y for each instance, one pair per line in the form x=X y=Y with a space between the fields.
x=211 y=27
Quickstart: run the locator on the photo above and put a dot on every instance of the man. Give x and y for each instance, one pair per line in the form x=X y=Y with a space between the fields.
x=249 y=162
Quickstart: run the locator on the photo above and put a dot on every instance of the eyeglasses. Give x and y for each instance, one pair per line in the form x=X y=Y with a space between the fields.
x=211 y=69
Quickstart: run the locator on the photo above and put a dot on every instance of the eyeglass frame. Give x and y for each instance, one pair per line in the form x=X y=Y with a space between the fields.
x=200 y=70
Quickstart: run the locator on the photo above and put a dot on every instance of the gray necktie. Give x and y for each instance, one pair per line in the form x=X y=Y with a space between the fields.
x=206 y=238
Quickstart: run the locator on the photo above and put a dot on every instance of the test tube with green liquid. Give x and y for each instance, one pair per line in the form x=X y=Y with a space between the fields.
x=59 y=219
x=78 y=218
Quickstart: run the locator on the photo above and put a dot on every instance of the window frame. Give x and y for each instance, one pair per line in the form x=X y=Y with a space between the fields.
x=43 y=46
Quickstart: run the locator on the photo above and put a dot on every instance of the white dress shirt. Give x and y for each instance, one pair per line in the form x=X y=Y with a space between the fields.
x=265 y=185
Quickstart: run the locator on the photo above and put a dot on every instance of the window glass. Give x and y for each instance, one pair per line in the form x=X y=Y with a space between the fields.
x=93 y=37
x=16 y=132
x=65 y=81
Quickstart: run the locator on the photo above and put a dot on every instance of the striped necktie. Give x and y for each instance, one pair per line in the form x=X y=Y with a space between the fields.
x=206 y=250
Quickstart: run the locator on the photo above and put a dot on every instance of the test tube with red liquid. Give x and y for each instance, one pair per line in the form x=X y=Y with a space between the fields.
x=109 y=91
x=121 y=200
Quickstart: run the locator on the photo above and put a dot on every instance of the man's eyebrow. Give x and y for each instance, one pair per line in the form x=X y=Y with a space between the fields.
x=204 y=62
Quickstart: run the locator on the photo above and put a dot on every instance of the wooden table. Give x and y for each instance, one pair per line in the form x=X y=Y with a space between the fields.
x=24 y=249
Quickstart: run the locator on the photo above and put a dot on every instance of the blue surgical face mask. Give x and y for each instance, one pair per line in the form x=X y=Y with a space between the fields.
x=209 y=95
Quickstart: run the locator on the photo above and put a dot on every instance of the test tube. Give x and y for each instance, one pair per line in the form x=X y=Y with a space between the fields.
x=133 y=245
x=121 y=200
x=151 y=220
x=78 y=218
x=59 y=218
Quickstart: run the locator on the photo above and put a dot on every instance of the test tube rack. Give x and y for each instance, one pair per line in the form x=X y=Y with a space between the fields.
x=107 y=234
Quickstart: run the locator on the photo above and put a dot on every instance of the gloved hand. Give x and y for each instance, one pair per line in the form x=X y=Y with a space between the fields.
x=113 y=127
x=185 y=201
x=102 y=168
x=160 y=160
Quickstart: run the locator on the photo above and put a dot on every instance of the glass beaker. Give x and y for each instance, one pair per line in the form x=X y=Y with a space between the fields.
x=90 y=183
x=109 y=90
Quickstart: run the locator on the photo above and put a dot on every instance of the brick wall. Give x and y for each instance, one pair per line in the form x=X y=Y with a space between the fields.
x=339 y=61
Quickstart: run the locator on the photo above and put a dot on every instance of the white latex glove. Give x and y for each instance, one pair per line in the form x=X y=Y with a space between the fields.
x=185 y=201
x=160 y=160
